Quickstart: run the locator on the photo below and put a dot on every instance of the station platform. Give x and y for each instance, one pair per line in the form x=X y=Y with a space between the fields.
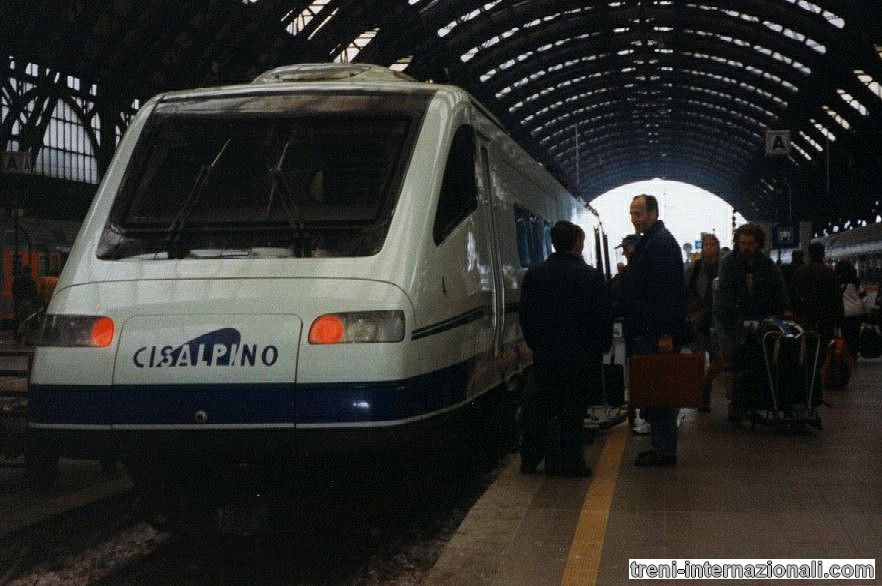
x=736 y=493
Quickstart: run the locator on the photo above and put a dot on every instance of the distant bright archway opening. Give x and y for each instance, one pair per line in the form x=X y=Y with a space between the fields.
x=687 y=211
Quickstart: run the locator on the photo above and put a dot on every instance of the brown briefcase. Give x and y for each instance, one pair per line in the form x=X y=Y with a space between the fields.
x=666 y=380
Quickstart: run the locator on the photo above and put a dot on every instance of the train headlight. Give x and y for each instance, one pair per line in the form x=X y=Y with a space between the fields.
x=76 y=330
x=357 y=327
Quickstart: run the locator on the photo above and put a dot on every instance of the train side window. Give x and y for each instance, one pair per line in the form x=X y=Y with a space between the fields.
x=458 y=189
x=546 y=239
x=522 y=227
x=534 y=236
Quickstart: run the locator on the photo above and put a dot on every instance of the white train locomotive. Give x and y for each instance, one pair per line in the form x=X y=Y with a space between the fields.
x=324 y=260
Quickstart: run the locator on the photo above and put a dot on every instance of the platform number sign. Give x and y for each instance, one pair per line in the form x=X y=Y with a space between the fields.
x=15 y=162
x=777 y=143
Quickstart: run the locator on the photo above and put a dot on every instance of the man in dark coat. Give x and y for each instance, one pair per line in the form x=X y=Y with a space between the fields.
x=751 y=285
x=816 y=297
x=655 y=319
x=565 y=317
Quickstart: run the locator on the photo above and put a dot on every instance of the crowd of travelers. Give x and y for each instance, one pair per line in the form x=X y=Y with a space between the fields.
x=665 y=305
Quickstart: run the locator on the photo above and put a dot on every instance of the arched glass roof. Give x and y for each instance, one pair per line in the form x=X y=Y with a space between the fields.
x=607 y=92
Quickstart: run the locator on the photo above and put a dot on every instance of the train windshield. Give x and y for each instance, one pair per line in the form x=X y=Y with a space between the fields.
x=254 y=176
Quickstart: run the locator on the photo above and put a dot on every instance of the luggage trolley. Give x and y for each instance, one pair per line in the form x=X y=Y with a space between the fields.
x=776 y=375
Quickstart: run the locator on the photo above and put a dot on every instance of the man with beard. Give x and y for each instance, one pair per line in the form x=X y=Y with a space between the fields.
x=751 y=288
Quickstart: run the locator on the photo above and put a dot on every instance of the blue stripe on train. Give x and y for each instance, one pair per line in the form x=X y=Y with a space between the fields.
x=246 y=404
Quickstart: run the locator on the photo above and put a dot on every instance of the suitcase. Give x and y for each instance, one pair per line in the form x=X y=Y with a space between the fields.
x=666 y=380
x=838 y=362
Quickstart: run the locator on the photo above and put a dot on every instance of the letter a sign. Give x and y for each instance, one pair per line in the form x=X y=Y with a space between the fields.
x=15 y=162
x=777 y=143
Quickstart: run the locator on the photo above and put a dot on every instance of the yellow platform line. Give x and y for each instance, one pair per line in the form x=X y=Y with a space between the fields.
x=583 y=562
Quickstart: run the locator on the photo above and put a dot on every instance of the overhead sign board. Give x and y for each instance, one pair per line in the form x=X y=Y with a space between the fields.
x=777 y=143
x=785 y=235
x=15 y=162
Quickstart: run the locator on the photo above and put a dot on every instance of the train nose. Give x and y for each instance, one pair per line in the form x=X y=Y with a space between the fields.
x=188 y=349
x=205 y=371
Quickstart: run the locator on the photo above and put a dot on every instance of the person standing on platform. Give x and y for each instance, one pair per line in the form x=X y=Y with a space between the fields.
x=654 y=313
x=797 y=259
x=854 y=305
x=699 y=305
x=565 y=318
x=816 y=297
x=751 y=287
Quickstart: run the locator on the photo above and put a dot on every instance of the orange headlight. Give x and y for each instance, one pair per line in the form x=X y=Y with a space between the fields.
x=327 y=329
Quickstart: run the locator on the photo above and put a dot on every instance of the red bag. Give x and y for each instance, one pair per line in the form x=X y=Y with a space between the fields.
x=838 y=363
x=666 y=380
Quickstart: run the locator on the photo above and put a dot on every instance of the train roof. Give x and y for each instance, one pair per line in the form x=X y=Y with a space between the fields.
x=861 y=240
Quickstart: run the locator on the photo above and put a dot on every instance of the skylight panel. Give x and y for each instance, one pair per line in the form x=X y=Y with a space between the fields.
x=823 y=130
x=517 y=31
x=401 y=64
x=355 y=47
x=853 y=102
x=837 y=118
x=811 y=141
x=868 y=81
x=830 y=17
x=488 y=75
x=542 y=73
x=462 y=19
x=467 y=56
x=298 y=23
x=797 y=36
x=801 y=151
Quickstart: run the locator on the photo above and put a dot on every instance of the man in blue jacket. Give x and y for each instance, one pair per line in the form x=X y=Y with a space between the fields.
x=654 y=313
x=565 y=317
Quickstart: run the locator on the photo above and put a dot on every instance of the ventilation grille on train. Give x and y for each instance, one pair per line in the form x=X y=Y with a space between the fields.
x=331 y=72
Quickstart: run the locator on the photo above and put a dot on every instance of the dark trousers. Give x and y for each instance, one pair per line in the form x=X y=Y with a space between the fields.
x=662 y=420
x=559 y=407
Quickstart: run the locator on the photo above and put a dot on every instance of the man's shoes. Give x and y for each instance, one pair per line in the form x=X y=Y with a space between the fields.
x=653 y=458
x=641 y=428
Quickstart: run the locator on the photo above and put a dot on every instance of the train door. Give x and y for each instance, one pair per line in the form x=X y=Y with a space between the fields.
x=487 y=204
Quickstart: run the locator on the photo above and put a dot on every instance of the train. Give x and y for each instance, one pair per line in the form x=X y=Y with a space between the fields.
x=323 y=261
x=42 y=246
x=861 y=246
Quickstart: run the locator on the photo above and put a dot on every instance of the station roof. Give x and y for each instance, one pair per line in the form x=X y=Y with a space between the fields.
x=604 y=92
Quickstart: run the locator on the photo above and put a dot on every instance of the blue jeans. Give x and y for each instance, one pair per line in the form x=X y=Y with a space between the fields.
x=662 y=420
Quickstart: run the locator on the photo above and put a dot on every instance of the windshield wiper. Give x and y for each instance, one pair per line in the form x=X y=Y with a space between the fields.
x=292 y=212
x=176 y=228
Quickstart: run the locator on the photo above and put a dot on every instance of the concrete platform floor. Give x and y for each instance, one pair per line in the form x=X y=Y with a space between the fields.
x=736 y=493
